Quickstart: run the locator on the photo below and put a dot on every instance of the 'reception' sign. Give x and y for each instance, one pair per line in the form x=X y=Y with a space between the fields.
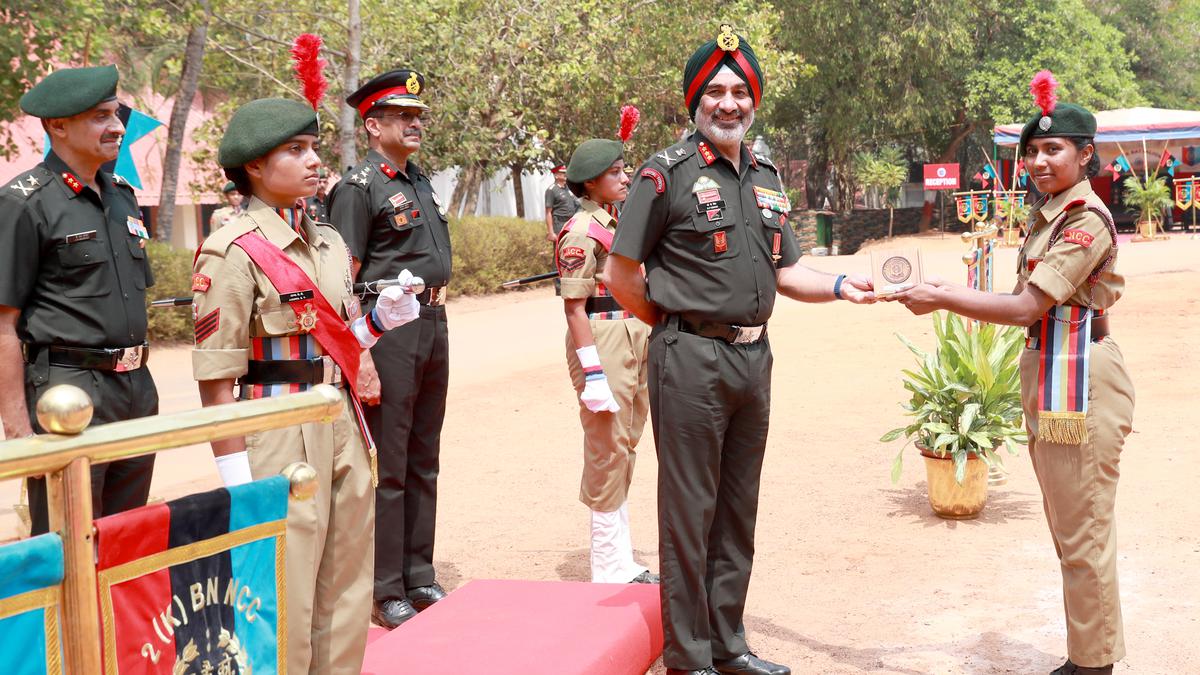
x=941 y=176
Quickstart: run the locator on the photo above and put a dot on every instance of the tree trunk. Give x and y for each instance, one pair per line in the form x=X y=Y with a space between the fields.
x=466 y=191
x=518 y=191
x=347 y=152
x=816 y=178
x=189 y=79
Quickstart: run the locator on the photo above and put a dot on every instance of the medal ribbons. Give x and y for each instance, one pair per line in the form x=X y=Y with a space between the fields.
x=1065 y=342
x=772 y=200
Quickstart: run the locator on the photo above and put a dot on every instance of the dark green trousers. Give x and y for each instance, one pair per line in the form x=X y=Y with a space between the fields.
x=414 y=373
x=116 y=486
x=710 y=403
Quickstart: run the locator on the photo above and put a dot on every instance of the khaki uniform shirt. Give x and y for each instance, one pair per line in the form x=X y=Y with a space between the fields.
x=220 y=217
x=1060 y=268
x=392 y=221
x=709 y=257
x=234 y=301
x=581 y=258
x=70 y=261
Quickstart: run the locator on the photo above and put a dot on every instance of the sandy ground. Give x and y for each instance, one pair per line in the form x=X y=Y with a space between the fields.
x=853 y=574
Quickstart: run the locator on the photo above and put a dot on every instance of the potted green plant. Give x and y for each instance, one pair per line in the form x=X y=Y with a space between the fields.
x=1150 y=198
x=965 y=403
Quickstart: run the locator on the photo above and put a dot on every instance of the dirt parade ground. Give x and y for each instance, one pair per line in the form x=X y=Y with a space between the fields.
x=853 y=574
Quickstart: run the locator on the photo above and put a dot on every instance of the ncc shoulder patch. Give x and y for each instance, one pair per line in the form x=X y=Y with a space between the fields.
x=571 y=258
x=207 y=325
x=201 y=282
x=660 y=183
x=1080 y=237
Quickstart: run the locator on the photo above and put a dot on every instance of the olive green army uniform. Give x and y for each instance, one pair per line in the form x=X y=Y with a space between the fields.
x=392 y=221
x=609 y=439
x=1079 y=482
x=562 y=204
x=711 y=253
x=242 y=321
x=73 y=263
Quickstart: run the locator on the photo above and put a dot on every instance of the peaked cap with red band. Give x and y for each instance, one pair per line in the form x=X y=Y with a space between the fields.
x=729 y=49
x=396 y=88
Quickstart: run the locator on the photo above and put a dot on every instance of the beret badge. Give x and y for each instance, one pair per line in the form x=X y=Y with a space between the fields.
x=413 y=84
x=726 y=39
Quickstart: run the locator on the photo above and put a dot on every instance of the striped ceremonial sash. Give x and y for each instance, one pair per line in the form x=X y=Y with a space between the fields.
x=610 y=316
x=288 y=347
x=1065 y=342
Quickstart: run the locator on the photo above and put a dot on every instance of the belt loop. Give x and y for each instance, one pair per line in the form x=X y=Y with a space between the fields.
x=41 y=365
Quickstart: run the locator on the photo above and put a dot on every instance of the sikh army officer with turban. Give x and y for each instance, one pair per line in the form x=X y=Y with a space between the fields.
x=709 y=220
x=73 y=279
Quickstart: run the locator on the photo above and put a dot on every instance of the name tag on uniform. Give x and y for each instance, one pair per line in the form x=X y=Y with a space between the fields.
x=80 y=236
x=136 y=227
x=295 y=296
x=399 y=201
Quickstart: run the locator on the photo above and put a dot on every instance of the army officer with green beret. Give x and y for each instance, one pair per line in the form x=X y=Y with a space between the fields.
x=73 y=279
x=1076 y=392
x=275 y=312
x=709 y=220
x=606 y=358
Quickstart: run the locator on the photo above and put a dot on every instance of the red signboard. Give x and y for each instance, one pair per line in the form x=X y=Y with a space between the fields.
x=941 y=176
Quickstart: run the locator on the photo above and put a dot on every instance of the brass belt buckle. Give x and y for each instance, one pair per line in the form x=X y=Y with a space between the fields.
x=331 y=372
x=131 y=359
x=437 y=296
x=748 y=334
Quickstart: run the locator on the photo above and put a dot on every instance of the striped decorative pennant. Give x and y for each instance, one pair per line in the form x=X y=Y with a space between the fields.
x=1065 y=341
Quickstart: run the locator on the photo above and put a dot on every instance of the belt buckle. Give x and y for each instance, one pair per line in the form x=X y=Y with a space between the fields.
x=437 y=296
x=129 y=359
x=747 y=334
x=331 y=373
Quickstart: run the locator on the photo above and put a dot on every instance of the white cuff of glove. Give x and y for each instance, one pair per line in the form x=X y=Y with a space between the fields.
x=362 y=331
x=588 y=356
x=234 y=469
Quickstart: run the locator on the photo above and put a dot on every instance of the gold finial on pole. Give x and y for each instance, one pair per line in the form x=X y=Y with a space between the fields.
x=64 y=409
x=303 y=480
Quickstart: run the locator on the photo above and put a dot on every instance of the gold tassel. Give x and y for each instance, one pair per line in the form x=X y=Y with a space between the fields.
x=374 y=467
x=1063 y=428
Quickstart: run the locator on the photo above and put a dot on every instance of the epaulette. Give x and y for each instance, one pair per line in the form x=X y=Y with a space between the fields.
x=118 y=180
x=24 y=185
x=763 y=159
x=672 y=156
x=361 y=175
x=219 y=242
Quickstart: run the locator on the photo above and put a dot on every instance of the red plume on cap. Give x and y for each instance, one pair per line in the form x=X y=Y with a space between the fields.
x=629 y=121
x=310 y=67
x=1043 y=86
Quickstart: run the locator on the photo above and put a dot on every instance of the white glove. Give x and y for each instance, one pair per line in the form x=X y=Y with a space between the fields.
x=596 y=395
x=397 y=305
x=234 y=469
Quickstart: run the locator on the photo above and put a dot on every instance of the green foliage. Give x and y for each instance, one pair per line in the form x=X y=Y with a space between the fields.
x=966 y=396
x=880 y=173
x=489 y=251
x=172 y=269
x=1149 y=198
x=1162 y=44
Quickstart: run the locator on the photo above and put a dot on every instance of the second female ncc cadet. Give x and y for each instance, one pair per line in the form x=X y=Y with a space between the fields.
x=275 y=312
x=1076 y=393
x=606 y=357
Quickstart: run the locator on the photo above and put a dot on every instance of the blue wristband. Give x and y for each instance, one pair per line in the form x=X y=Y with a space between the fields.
x=837 y=287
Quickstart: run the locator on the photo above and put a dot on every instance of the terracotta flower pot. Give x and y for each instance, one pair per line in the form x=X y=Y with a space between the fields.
x=949 y=499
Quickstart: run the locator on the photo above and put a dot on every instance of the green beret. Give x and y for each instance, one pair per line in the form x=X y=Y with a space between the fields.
x=229 y=187
x=1067 y=120
x=257 y=127
x=70 y=91
x=705 y=62
x=592 y=158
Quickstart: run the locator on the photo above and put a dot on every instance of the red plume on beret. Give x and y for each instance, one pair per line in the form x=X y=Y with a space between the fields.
x=310 y=67
x=629 y=120
x=1042 y=86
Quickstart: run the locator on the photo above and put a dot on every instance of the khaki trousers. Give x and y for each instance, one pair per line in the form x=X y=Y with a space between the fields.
x=1079 y=490
x=330 y=542
x=610 y=439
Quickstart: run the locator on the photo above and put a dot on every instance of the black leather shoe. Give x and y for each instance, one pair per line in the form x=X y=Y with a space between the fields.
x=422 y=597
x=1069 y=668
x=646 y=577
x=750 y=664
x=702 y=671
x=392 y=613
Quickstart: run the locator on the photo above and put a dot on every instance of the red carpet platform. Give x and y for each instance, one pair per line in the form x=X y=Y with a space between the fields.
x=526 y=627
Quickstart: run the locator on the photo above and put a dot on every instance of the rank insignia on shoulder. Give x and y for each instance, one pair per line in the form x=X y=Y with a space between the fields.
x=660 y=183
x=206 y=326
x=362 y=177
x=201 y=283
x=1080 y=237
x=72 y=182
x=24 y=189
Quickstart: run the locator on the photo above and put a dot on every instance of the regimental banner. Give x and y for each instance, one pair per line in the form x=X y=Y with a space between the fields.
x=1185 y=193
x=196 y=586
x=31 y=574
x=972 y=206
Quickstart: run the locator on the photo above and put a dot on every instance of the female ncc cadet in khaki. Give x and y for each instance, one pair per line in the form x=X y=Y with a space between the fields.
x=1077 y=395
x=606 y=356
x=272 y=296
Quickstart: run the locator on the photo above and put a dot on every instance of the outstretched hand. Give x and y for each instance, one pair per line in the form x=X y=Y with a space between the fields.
x=859 y=289
x=922 y=298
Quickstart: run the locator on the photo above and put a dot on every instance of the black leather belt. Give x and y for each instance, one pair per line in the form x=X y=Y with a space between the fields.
x=734 y=335
x=119 y=359
x=434 y=296
x=319 y=370
x=596 y=305
x=1099 y=328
